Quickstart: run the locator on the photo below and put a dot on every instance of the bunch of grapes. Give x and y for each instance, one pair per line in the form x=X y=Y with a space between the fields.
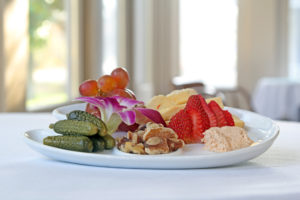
x=106 y=86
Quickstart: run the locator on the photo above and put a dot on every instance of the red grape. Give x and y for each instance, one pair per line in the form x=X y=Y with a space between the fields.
x=88 y=88
x=121 y=76
x=93 y=110
x=131 y=93
x=107 y=83
x=120 y=92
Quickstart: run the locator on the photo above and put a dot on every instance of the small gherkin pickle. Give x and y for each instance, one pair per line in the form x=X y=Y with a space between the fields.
x=98 y=143
x=109 y=141
x=74 y=143
x=85 y=116
x=73 y=127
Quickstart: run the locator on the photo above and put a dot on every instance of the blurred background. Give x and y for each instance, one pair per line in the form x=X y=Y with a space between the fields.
x=246 y=51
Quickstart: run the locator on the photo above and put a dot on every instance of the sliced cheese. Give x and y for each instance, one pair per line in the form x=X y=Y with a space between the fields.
x=238 y=122
x=168 y=113
x=156 y=102
x=181 y=96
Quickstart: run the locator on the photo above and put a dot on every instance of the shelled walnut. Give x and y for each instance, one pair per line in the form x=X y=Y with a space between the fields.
x=154 y=139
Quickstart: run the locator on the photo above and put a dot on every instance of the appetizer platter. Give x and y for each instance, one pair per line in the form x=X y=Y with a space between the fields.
x=178 y=130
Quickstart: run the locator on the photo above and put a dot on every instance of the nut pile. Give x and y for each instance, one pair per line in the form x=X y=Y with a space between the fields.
x=154 y=139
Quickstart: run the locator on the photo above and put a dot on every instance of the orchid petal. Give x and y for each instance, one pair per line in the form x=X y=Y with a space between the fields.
x=128 y=117
x=129 y=103
x=115 y=110
x=107 y=105
x=153 y=115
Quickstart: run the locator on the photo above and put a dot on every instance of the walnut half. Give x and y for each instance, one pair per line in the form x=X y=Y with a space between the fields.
x=129 y=147
x=156 y=145
x=154 y=139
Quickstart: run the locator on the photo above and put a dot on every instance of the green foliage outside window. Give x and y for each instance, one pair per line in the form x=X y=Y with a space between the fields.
x=41 y=11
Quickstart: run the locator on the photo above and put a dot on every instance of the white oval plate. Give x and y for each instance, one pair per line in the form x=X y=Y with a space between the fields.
x=60 y=112
x=260 y=129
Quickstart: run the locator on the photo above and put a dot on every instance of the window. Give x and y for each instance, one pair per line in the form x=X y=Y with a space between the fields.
x=109 y=35
x=48 y=66
x=294 y=39
x=51 y=67
x=208 y=41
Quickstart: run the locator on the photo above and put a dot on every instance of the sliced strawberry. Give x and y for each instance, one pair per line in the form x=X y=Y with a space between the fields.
x=211 y=115
x=228 y=117
x=200 y=120
x=191 y=122
x=219 y=113
x=181 y=123
x=200 y=123
x=193 y=103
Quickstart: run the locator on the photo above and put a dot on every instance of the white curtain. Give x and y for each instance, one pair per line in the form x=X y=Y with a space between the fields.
x=1 y=58
x=155 y=46
x=14 y=54
x=262 y=40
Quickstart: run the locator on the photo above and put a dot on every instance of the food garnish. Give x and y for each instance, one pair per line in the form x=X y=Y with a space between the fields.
x=106 y=86
x=117 y=109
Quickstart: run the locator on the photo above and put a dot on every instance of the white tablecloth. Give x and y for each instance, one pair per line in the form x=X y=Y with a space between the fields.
x=277 y=98
x=25 y=174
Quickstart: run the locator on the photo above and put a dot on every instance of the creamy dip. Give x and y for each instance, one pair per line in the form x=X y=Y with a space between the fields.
x=225 y=139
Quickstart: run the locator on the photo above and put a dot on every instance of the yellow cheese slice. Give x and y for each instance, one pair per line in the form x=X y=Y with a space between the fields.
x=238 y=122
x=168 y=113
x=181 y=96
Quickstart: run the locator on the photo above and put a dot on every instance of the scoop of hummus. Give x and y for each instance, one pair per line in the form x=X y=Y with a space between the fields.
x=225 y=139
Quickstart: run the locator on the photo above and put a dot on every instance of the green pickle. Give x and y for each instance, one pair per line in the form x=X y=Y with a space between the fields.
x=74 y=143
x=73 y=127
x=81 y=131
x=109 y=141
x=98 y=142
x=85 y=116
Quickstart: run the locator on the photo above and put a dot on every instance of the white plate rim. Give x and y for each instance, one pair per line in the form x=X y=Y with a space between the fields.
x=151 y=157
x=163 y=160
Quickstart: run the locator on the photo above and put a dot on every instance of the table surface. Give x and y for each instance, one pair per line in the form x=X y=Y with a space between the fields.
x=26 y=174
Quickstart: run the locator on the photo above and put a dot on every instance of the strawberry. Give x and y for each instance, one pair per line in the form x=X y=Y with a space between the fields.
x=200 y=120
x=200 y=123
x=211 y=115
x=193 y=103
x=219 y=113
x=196 y=118
x=181 y=123
x=228 y=117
